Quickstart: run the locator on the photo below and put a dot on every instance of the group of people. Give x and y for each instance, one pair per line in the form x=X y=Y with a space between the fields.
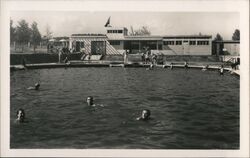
x=147 y=58
x=56 y=49
x=20 y=114
x=145 y=114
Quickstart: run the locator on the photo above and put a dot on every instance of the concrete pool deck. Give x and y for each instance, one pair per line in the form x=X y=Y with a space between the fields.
x=197 y=65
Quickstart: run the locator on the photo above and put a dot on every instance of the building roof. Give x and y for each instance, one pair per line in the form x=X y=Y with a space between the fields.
x=146 y=37
x=186 y=36
x=227 y=41
x=88 y=35
x=116 y=28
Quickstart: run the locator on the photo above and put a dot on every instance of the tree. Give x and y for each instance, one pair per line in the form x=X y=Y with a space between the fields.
x=23 y=33
x=12 y=32
x=217 y=47
x=35 y=35
x=144 y=30
x=49 y=33
x=236 y=35
x=218 y=37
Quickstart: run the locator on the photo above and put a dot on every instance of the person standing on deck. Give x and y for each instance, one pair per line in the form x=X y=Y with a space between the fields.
x=59 y=56
x=143 y=58
x=221 y=70
x=125 y=57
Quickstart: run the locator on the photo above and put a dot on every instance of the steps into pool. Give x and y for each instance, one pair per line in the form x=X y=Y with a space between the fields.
x=92 y=57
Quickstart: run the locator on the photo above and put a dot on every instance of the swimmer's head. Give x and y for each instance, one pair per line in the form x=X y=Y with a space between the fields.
x=20 y=115
x=37 y=85
x=145 y=114
x=90 y=100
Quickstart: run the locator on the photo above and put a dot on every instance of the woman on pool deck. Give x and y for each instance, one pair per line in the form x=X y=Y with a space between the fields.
x=20 y=115
x=145 y=115
x=36 y=87
x=221 y=70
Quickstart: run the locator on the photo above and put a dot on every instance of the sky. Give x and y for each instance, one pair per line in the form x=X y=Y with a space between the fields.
x=65 y=23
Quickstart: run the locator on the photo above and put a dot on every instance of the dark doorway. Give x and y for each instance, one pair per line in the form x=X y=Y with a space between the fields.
x=78 y=46
x=98 y=47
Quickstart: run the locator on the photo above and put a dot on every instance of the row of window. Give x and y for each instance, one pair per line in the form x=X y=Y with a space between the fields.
x=186 y=42
x=114 y=42
x=114 y=31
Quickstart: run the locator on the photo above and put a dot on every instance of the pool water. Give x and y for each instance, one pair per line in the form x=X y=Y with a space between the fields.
x=190 y=109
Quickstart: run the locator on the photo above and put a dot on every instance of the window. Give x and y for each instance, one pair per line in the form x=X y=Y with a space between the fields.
x=114 y=42
x=168 y=42
x=109 y=31
x=192 y=42
x=202 y=42
x=178 y=42
x=185 y=41
x=119 y=31
x=81 y=44
x=98 y=47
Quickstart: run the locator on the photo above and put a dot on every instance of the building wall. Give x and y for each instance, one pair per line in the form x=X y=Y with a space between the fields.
x=232 y=48
x=187 y=49
x=87 y=44
x=116 y=46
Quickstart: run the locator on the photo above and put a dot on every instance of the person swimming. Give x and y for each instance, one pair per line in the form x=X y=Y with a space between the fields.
x=90 y=102
x=20 y=115
x=145 y=115
x=36 y=87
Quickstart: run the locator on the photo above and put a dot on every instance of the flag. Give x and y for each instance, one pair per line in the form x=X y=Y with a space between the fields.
x=108 y=23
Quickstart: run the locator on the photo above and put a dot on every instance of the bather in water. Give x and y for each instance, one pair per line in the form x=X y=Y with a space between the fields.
x=36 y=87
x=145 y=115
x=90 y=102
x=20 y=116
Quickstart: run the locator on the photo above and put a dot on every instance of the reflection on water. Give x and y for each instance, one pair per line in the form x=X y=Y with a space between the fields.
x=190 y=109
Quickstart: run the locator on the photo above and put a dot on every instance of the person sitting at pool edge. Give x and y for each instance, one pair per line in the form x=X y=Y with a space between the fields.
x=186 y=65
x=171 y=66
x=36 y=87
x=204 y=68
x=221 y=71
x=20 y=115
x=145 y=115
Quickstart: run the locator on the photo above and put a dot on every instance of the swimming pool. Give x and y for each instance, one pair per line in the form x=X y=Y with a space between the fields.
x=190 y=109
